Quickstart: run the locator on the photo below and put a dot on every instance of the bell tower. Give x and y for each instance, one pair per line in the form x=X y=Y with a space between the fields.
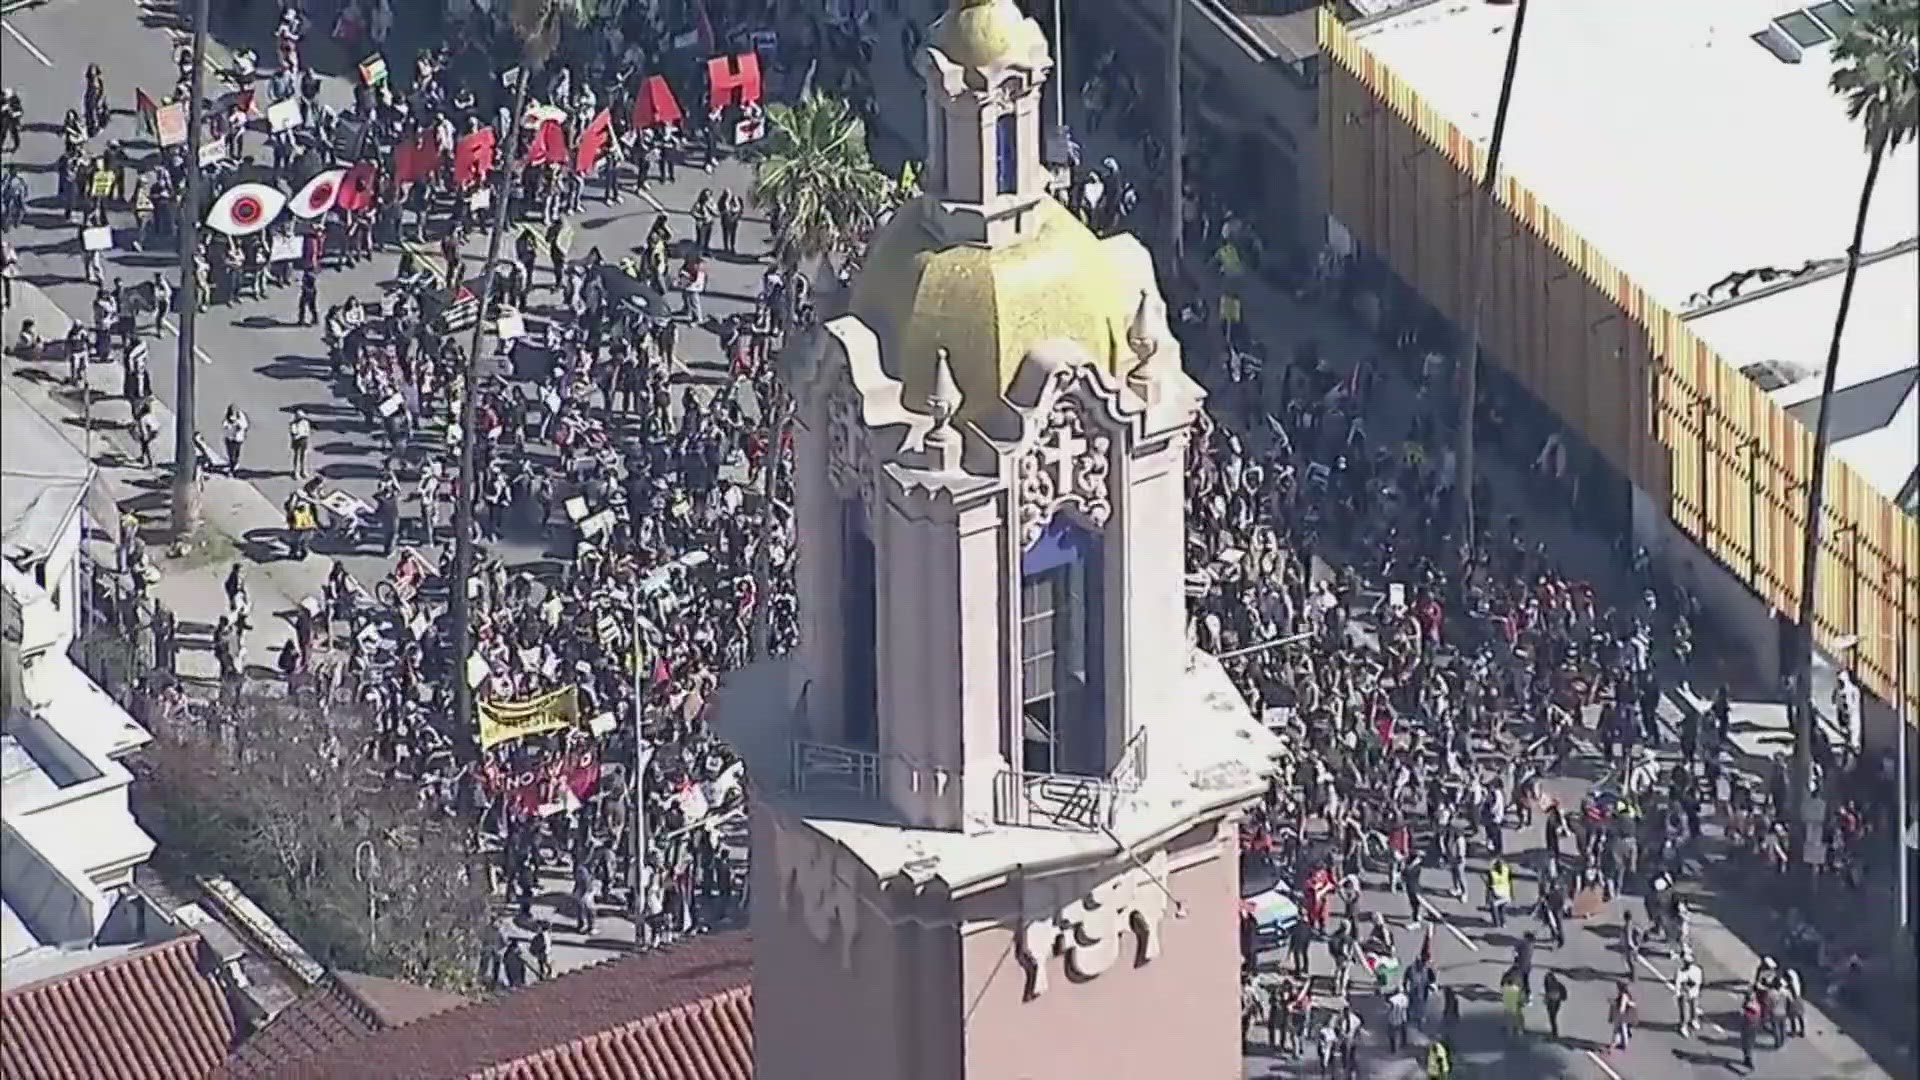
x=996 y=789
x=984 y=75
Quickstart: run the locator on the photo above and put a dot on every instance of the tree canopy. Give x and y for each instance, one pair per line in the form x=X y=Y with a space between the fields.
x=815 y=178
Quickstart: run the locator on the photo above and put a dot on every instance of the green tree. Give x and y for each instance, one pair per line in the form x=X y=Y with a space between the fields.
x=816 y=180
x=1875 y=76
x=537 y=26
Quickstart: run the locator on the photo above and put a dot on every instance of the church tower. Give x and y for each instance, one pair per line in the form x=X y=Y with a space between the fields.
x=996 y=789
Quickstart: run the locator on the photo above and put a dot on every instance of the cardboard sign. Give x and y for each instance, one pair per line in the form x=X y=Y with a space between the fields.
x=480 y=199
x=597 y=524
x=99 y=238
x=101 y=185
x=286 y=248
x=603 y=724
x=733 y=80
x=285 y=115
x=1397 y=596
x=477 y=670
x=576 y=509
x=511 y=327
x=170 y=124
x=213 y=152
x=392 y=405
x=373 y=70
x=750 y=130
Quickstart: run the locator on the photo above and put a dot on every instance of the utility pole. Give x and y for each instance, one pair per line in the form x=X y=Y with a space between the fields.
x=462 y=607
x=1903 y=810
x=1176 y=138
x=186 y=456
x=1482 y=211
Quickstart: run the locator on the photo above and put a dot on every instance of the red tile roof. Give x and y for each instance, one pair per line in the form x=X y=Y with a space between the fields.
x=683 y=1013
x=153 y=1014
x=349 y=1007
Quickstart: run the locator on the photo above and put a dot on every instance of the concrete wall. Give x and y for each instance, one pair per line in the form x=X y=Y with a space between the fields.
x=1174 y=1016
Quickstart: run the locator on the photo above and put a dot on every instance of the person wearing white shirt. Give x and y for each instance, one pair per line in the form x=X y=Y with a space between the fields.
x=1687 y=983
x=234 y=430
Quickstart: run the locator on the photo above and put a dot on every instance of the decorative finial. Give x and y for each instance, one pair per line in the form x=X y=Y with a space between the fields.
x=945 y=400
x=1140 y=336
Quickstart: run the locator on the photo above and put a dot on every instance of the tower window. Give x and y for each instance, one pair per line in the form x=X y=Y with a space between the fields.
x=1006 y=141
x=1061 y=619
x=859 y=610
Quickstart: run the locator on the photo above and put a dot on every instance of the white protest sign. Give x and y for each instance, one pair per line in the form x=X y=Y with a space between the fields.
x=286 y=249
x=512 y=326
x=392 y=405
x=602 y=724
x=1397 y=596
x=477 y=670
x=285 y=115
x=98 y=238
x=212 y=152
x=480 y=199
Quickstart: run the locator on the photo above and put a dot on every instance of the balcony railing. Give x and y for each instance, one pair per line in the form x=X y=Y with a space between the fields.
x=823 y=769
x=1055 y=801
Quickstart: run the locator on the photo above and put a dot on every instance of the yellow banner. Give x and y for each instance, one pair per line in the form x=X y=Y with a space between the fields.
x=501 y=721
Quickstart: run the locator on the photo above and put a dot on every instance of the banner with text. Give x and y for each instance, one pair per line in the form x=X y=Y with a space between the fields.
x=502 y=721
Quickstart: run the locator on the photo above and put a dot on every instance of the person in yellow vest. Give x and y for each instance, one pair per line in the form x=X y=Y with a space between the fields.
x=1499 y=891
x=1439 y=1061
x=1227 y=260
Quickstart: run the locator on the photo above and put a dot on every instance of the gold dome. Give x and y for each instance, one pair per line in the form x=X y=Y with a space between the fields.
x=987 y=306
x=983 y=33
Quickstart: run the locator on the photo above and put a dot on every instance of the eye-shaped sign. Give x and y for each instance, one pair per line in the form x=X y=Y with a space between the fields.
x=319 y=195
x=245 y=209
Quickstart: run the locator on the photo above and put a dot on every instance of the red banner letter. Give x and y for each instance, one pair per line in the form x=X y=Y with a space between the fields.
x=727 y=74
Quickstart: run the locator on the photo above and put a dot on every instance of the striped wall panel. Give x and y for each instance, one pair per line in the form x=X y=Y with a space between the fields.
x=1620 y=369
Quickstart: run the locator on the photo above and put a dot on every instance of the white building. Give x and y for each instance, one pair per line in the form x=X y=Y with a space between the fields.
x=70 y=844
x=1699 y=147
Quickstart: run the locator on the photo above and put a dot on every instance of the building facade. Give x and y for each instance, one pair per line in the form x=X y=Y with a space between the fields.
x=1697 y=459
x=997 y=828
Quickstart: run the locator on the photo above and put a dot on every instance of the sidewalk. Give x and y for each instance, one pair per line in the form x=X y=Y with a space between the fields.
x=240 y=525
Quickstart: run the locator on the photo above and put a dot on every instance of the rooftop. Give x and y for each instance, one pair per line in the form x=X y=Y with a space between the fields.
x=1661 y=132
x=682 y=1013
x=155 y=1014
x=45 y=483
x=1876 y=426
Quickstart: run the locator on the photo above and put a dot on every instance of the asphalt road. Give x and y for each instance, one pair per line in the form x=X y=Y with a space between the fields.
x=250 y=353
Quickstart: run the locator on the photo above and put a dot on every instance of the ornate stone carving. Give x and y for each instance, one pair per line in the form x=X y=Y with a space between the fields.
x=1090 y=930
x=806 y=877
x=849 y=455
x=1065 y=468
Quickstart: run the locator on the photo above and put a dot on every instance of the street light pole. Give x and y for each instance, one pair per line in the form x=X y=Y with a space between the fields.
x=186 y=456
x=642 y=754
x=1059 y=70
x=1176 y=137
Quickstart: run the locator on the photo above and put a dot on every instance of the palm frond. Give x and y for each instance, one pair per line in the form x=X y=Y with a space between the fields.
x=1877 y=72
x=816 y=177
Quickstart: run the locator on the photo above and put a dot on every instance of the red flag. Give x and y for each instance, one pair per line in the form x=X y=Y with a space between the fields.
x=727 y=74
x=661 y=676
x=356 y=188
x=593 y=141
x=418 y=159
x=473 y=158
x=655 y=104
x=549 y=144
x=583 y=772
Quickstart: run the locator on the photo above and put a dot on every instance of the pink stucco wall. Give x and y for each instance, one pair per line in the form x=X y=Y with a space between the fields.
x=1175 y=1016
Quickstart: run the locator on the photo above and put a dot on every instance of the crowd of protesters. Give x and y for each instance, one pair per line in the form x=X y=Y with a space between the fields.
x=1432 y=684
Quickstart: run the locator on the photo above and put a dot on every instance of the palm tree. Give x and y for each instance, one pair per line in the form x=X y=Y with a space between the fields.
x=820 y=187
x=815 y=179
x=536 y=26
x=1875 y=75
x=1481 y=254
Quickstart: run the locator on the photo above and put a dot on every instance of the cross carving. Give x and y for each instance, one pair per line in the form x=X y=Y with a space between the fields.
x=1058 y=455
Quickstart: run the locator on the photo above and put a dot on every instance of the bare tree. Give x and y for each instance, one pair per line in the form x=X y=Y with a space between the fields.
x=286 y=799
